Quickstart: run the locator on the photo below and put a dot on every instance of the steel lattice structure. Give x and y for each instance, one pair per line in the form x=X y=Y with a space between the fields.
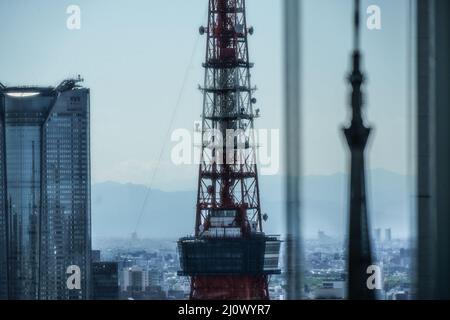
x=228 y=176
x=227 y=257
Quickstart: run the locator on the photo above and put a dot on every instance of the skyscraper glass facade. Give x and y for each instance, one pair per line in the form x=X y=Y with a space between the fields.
x=45 y=201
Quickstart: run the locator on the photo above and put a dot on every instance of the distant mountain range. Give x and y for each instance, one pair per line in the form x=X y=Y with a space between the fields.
x=116 y=207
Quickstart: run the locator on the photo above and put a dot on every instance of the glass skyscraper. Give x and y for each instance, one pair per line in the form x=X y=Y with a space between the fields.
x=45 y=219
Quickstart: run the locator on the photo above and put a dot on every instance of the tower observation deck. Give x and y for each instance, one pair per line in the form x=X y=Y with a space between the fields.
x=229 y=257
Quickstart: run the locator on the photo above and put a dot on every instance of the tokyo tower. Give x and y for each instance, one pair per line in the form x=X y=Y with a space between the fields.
x=229 y=257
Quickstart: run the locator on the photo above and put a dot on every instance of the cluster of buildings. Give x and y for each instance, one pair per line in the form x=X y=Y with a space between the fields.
x=387 y=235
x=134 y=276
x=45 y=205
x=146 y=269
x=150 y=274
x=325 y=267
x=45 y=218
x=149 y=270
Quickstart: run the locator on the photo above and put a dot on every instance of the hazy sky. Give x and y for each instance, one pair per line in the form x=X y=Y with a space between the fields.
x=134 y=55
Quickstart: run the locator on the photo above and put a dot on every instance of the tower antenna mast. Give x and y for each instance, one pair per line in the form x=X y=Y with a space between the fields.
x=229 y=258
x=357 y=135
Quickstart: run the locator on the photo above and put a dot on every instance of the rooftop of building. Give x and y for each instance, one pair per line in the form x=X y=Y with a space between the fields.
x=31 y=91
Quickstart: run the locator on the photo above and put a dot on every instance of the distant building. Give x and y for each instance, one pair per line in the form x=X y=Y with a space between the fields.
x=378 y=235
x=398 y=295
x=155 y=278
x=105 y=281
x=176 y=295
x=331 y=290
x=320 y=235
x=323 y=237
x=388 y=235
x=96 y=256
x=45 y=213
x=155 y=293
x=135 y=279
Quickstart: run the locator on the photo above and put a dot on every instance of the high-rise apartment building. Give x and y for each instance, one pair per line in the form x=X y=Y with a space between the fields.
x=45 y=223
x=377 y=235
x=135 y=279
x=388 y=235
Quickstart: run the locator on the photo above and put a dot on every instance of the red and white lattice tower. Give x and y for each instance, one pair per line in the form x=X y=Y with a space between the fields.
x=229 y=257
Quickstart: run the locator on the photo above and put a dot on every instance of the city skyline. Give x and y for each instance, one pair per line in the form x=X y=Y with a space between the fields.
x=71 y=174
x=136 y=81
